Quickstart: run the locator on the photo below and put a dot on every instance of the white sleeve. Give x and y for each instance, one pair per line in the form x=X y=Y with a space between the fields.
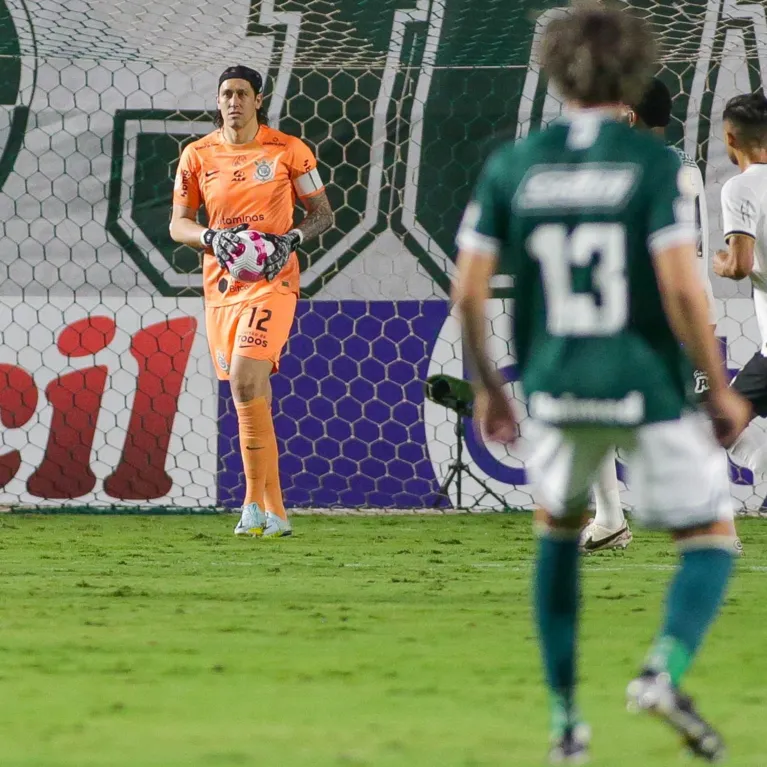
x=701 y=213
x=703 y=239
x=712 y=318
x=739 y=208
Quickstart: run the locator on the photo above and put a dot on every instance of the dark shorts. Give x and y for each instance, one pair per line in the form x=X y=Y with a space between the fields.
x=751 y=382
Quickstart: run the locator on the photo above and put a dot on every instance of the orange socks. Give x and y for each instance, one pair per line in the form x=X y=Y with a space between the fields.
x=258 y=444
x=273 y=489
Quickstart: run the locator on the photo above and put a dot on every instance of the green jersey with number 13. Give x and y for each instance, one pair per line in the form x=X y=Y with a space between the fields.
x=575 y=213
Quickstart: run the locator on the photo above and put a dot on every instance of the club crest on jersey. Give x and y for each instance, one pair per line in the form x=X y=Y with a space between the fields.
x=264 y=171
x=222 y=361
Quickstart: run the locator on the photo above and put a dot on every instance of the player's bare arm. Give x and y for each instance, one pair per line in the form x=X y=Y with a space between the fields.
x=684 y=300
x=319 y=216
x=685 y=303
x=737 y=262
x=471 y=291
x=184 y=228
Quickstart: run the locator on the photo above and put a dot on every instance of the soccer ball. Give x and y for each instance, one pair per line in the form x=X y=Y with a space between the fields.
x=247 y=264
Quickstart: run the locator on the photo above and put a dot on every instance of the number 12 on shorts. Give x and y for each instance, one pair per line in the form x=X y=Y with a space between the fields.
x=266 y=315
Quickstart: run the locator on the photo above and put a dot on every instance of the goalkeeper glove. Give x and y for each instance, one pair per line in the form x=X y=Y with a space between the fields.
x=284 y=245
x=224 y=243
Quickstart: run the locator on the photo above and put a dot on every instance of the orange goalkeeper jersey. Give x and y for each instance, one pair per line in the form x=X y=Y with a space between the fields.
x=256 y=184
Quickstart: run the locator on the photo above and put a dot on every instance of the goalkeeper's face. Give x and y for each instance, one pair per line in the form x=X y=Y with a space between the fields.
x=238 y=102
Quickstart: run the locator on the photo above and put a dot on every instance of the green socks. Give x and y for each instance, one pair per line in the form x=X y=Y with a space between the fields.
x=556 y=596
x=694 y=597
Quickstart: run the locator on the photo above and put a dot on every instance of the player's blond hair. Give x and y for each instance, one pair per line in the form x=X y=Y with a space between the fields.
x=599 y=55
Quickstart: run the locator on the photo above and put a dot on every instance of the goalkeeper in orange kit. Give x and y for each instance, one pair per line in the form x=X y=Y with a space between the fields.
x=249 y=176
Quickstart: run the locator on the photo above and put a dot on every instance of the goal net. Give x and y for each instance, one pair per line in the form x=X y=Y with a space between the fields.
x=107 y=393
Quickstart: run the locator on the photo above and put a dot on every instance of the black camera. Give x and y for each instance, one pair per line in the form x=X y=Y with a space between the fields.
x=450 y=392
x=457 y=395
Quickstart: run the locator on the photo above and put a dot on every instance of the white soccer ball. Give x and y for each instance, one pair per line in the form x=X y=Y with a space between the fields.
x=247 y=265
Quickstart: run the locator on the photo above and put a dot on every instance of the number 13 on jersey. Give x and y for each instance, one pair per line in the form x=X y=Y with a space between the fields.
x=600 y=311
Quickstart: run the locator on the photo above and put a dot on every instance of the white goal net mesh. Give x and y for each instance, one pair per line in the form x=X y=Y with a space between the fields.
x=107 y=393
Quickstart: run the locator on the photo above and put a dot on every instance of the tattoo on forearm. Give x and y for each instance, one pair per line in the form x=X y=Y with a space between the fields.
x=319 y=217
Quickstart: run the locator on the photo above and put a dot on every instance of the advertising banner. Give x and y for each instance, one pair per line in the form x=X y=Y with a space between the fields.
x=115 y=403
x=106 y=402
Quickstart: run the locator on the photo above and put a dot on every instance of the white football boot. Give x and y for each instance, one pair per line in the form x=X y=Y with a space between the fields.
x=594 y=537
x=252 y=521
x=276 y=527
x=654 y=693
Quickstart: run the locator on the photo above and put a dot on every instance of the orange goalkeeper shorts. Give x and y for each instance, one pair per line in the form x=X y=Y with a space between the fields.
x=256 y=329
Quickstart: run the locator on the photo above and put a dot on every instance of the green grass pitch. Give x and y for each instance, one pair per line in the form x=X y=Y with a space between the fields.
x=361 y=641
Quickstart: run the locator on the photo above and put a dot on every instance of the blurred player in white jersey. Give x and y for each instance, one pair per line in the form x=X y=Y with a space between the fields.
x=609 y=529
x=744 y=214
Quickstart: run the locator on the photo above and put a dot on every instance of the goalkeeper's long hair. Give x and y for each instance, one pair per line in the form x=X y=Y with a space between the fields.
x=599 y=55
x=261 y=116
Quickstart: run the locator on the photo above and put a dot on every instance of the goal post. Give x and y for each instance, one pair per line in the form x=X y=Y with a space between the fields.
x=107 y=393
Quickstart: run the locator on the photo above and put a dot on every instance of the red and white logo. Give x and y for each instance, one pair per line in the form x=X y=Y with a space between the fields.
x=106 y=406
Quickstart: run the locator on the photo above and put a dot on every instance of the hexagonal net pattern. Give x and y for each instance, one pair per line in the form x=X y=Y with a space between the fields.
x=107 y=394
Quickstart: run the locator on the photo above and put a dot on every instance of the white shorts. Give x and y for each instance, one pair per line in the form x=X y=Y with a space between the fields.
x=677 y=471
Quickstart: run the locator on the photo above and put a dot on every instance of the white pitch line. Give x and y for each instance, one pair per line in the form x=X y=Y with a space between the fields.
x=617 y=569
x=502 y=566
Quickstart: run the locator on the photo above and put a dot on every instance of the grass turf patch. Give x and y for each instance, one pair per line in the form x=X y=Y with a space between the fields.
x=367 y=641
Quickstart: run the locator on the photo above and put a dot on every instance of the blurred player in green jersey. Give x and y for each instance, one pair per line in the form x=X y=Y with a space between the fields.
x=597 y=224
